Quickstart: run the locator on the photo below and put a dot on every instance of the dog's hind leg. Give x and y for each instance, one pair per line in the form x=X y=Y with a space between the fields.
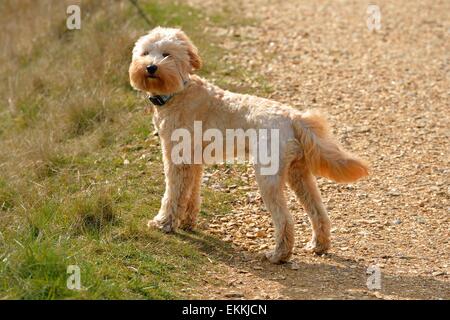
x=272 y=193
x=189 y=218
x=302 y=181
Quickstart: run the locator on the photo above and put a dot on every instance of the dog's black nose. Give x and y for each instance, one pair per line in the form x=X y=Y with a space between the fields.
x=151 y=69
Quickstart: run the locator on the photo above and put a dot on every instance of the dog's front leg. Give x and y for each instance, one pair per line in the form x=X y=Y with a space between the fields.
x=176 y=196
x=189 y=218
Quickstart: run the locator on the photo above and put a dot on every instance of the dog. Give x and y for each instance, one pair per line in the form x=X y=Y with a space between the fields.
x=163 y=65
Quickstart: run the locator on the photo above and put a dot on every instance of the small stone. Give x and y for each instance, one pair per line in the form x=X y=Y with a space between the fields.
x=260 y=234
x=126 y=162
x=250 y=235
x=294 y=266
x=396 y=221
x=363 y=129
x=227 y=239
x=393 y=193
x=280 y=277
x=420 y=219
x=234 y=294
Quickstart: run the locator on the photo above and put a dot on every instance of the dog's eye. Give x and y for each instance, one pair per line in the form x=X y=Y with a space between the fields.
x=165 y=54
x=145 y=53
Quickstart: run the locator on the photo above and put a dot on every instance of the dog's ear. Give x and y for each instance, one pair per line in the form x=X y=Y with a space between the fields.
x=194 y=58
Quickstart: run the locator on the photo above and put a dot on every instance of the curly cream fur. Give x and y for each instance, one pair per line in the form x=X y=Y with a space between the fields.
x=306 y=146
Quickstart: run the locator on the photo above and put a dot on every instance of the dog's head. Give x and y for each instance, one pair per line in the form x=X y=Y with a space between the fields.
x=162 y=61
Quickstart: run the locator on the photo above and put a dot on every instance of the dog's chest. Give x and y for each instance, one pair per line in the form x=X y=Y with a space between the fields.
x=156 y=121
x=165 y=123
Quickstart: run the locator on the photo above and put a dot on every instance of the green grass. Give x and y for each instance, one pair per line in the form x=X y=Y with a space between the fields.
x=68 y=122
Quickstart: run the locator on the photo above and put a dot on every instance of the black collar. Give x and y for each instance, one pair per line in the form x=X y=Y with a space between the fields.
x=160 y=100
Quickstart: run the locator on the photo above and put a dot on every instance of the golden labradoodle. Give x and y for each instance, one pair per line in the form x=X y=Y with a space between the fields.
x=162 y=65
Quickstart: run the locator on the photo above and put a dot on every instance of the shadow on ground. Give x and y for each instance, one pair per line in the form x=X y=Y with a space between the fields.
x=335 y=278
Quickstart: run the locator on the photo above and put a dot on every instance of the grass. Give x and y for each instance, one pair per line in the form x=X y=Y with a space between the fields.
x=68 y=121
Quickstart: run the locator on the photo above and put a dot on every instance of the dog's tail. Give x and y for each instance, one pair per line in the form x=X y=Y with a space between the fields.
x=322 y=153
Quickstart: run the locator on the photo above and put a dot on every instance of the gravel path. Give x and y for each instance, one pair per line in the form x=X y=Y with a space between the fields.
x=386 y=94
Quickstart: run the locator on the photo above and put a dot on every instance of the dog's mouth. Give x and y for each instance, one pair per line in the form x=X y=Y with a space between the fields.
x=152 y=76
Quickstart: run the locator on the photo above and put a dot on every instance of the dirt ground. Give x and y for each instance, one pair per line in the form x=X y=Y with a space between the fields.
x=386 y=94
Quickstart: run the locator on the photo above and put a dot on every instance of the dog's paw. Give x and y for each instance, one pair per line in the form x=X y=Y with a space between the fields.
x=276 y=257
x=187 y=226
x=318 y=247
x=165 y=227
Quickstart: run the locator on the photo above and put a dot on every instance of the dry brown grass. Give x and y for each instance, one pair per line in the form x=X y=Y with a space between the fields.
x=60 y=84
